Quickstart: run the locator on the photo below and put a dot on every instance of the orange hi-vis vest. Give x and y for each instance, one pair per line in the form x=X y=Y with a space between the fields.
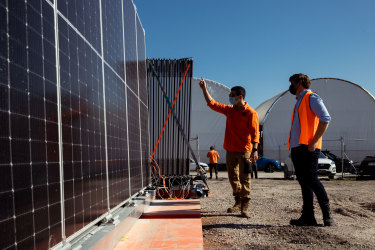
x=308 y=122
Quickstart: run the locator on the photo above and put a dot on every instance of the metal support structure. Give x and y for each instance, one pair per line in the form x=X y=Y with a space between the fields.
x=196 y=139
x=342 y=156
x=59 y=122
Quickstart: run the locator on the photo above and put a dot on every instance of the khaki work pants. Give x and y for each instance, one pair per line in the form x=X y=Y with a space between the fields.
x=239 y=180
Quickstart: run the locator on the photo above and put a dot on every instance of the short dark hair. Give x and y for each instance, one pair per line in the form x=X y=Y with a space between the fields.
x=212 y=147
x=305 y=80
x=239 y=91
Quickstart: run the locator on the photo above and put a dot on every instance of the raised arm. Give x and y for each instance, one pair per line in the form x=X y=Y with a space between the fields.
x=216 y=106
x=207 y=95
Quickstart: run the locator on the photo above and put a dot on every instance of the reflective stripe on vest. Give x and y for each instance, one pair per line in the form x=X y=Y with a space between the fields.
x=308 y=122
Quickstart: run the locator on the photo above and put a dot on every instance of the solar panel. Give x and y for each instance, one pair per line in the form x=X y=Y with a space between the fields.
x=73 y=121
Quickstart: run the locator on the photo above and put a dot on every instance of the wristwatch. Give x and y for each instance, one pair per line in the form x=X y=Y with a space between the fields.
x=254 y=150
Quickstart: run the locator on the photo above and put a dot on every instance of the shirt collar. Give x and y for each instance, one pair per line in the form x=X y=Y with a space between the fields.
x=302 y=94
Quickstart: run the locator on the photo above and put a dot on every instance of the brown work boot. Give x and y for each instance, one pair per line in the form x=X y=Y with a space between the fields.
x=245 y=208
x=236 y=207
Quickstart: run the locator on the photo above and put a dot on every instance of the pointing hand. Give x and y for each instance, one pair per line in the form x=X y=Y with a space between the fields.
x=202 y=83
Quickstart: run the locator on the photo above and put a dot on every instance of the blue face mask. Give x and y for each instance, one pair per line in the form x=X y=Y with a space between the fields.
x=232 y=100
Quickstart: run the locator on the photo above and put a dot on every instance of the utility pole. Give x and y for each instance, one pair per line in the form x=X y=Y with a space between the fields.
x=342 y=157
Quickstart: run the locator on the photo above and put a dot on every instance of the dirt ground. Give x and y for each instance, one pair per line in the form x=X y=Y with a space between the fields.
x=274 y=202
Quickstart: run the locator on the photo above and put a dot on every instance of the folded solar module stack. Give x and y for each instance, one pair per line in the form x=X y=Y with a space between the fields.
x=73 y=116
x=172 y=152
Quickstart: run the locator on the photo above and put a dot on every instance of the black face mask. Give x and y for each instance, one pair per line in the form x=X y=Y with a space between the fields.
x=292 y=90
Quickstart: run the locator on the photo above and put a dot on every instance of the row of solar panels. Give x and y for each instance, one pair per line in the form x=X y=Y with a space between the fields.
x=73 y=116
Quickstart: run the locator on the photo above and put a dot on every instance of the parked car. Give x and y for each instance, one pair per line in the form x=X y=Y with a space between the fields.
x=193 y=166
x=348 y=164
x=326 y=167
x=367 y=166
x=268 y=165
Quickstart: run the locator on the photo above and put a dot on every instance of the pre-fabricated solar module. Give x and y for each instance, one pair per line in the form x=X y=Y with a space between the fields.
x=74 y=140
x=172 y=153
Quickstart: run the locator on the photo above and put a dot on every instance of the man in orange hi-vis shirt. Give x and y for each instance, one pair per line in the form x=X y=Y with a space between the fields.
x=213 y=156
x=240 y=141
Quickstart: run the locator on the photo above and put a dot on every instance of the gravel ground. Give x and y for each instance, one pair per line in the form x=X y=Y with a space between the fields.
x=274 y=202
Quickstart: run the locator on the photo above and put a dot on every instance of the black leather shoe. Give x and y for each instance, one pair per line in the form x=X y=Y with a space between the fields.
x=304 y=221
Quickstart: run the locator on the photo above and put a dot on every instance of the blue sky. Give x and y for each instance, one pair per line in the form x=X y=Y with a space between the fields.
x=259 y=44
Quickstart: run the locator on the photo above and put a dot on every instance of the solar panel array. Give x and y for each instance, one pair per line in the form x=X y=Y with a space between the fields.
x=74 y=140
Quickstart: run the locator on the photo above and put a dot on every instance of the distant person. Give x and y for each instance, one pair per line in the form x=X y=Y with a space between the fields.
x=213 y=156
x=310 y=120
x=240 y=141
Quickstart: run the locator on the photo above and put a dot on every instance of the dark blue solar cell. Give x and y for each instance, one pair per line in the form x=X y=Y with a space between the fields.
x=25 y=229
x=23 y=176
x=4 y=97
x=5 y=151
x=40 y=218
x=34 y=20
x=3 y=19
x=39 y=171
x=35 y=63
x=19 y=103
x=34 y=41
x=49 y=52
x=6 y=227
x=18 y=77
x=22 y=200
x=5 y=178
x=3 y=45
x=6 y=211
x=48 y=31
x=38 y=151
x=37 y=131
x=17 y=29
x=17 y=8
x=37 y=109
x=62 y=6
x=17 y=53
x=50 y=71
x=36 y=5
x=19 y=127
x=20 y=150
x=4 y=124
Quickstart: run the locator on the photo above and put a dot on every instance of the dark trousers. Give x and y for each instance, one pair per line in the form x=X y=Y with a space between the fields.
x=254 y=170
x=213 y=166
x=306 y=168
